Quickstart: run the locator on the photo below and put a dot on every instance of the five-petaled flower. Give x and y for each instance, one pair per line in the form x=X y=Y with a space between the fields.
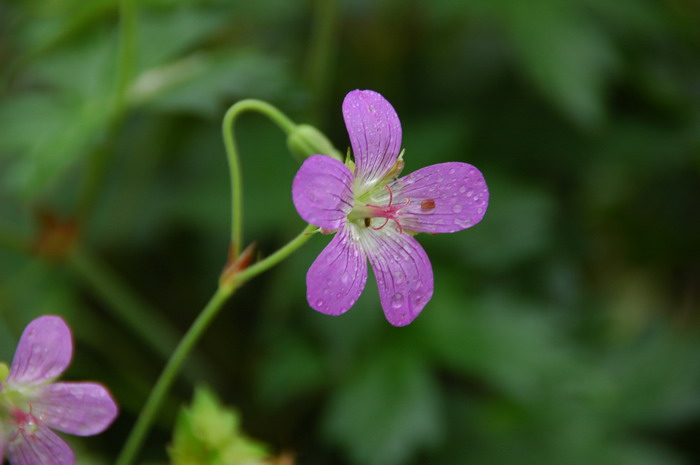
x=376 y=213
x=31 y=403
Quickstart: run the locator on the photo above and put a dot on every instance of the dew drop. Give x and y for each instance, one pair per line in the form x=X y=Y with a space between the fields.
x=398 y=277
x=463 y=222
x=397 y=300
x=470 y=193
x=452 y=171
x=462 y=190
x=319 y=303
x=344 y=278
x=457 y=208
x=480 y=210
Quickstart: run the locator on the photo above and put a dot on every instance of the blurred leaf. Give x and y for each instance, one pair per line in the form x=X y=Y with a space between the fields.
x=387 y=412
x=166 y=34
x=294 y=364
x=199 y=83
x=44 y=131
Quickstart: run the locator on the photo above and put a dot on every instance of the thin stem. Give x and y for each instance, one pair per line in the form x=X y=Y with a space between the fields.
x=276 y=257
x=205 y=318
x=233 y=112
x=127 y=52
x=162 y=386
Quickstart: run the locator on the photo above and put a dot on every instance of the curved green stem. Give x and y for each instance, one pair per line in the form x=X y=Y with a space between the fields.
x=205 y=318
x=233 y=112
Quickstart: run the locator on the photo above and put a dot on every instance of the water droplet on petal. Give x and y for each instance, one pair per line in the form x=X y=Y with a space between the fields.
x=480 y=210
x=319 y=303
x=344 y=278
x=470 y=193
x=452 y=171
x=457 y=208
x=397 y=300
x=462 y=189
x=398 y=277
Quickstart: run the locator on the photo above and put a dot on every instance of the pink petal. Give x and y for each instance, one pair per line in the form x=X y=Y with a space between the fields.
x=375 y=134
x=44 y=351
x=42 y=446
x=322 y=191
x=443 y=198
x=82 y=409
x=403 y=271
x=338 y=275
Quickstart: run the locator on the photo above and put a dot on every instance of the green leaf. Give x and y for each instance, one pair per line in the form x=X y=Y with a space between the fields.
x=209 y=434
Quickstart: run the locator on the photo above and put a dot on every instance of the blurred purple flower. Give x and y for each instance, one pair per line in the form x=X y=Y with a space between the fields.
x=31 y=403
x=376 y=214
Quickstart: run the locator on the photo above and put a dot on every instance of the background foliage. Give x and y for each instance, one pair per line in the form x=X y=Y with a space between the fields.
x=564 y=327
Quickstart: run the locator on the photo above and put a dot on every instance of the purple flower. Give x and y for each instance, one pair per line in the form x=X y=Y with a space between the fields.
x=31 y=403
x=376 y=214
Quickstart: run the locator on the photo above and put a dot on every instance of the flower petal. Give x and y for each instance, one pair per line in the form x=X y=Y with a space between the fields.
x=44 y=351
x=375 y=134
x=403 y=271
x=338 y=275
x=443 y=198
x=82 y=409
x=42 y=446
x=322 y=191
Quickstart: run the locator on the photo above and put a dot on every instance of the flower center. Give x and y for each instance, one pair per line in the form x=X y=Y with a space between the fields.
x=22 y=423
x=389 y=212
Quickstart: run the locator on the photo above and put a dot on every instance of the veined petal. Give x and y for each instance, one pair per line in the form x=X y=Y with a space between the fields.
x=443 y=198
x=322 y=191
x=42 y=446
x=403 y=271
x=44 y=351
x=338 y=275
x=82 y=409
x=375 y=134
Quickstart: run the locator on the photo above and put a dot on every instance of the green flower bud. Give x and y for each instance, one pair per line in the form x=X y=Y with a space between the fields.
x=306 y=140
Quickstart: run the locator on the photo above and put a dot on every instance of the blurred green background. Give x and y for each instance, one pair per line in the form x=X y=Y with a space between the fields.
x=564 y=328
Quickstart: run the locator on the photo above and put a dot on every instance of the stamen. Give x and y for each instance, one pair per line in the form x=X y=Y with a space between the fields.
x=386 y=220
x=389 y=212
